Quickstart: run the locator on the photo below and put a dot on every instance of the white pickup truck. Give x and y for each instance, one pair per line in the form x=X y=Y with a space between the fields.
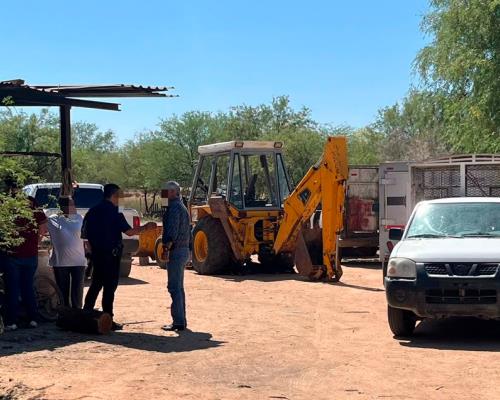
x=87 y=195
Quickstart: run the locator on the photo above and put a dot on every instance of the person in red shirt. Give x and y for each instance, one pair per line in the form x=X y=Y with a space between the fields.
x=20 y=267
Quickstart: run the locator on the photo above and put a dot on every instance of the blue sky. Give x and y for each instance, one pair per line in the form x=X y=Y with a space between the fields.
x=342 y=59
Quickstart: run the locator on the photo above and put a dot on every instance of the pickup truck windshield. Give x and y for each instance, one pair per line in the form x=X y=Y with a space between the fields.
x=84 y=197
x=455 y=220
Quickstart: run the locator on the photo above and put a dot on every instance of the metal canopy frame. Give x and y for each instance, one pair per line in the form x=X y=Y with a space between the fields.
x=17 y=93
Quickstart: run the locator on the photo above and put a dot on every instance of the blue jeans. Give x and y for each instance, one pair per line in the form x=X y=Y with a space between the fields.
x=18 y=278
x=175 y=268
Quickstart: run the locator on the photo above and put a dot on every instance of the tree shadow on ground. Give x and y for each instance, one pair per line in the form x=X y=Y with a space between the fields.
x=49 y=337
x=470 y=334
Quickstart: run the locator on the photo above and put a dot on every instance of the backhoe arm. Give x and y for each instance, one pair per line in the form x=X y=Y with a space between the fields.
x=323 y=184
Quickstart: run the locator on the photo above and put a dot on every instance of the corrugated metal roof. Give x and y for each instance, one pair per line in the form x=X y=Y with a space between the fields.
x=113 y=90
x=119 y=90
x=22 y=94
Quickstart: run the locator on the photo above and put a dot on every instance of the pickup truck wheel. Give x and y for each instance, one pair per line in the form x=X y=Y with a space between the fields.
x=158 y=254
x=401 y=322
x=125 y=265
x=211 y=249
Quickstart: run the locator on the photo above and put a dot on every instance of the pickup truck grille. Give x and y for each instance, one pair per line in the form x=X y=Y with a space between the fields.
x=461 y=269
x=461 y=296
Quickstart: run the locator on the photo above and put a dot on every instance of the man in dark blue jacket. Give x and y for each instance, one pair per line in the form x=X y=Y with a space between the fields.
x=176 y=247
x=103 y=226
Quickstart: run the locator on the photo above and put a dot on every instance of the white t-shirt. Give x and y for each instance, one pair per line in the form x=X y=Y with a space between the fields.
x=67 y=246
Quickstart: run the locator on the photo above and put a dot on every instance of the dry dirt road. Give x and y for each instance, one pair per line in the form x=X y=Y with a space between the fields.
x=255 y=337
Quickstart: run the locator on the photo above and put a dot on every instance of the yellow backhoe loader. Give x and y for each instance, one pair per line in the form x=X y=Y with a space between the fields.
x=242 y=204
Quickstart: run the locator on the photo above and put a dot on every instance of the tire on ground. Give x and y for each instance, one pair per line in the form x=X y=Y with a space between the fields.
x=215 y=245
x=158 y=252
x=48 y=297
x=143 y=261
x=125 y=265
x=401 y=322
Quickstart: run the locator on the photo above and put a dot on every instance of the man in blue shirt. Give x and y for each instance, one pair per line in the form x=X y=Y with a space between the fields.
x=176 y=246
x=103 y=226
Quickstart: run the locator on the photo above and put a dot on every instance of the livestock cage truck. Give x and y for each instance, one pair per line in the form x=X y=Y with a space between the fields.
x=403 y=184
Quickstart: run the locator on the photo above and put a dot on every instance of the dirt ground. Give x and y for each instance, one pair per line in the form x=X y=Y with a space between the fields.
x=255 y=337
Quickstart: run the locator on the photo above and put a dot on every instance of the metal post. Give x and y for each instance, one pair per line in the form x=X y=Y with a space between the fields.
x=65 y=128
x=463 y=180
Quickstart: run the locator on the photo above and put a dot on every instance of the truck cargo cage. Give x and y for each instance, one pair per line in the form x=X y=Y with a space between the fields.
x=403 y=184
x=476 y=175
x=482 y=180
x=436 y=182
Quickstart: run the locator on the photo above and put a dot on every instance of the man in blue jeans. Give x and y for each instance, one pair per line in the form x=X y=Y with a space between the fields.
x=20 y=267
x=176 y=246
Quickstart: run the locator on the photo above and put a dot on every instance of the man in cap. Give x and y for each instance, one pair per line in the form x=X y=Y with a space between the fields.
x=176 y=246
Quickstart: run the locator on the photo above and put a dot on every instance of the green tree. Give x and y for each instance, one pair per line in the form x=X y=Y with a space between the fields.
x=23 y=132
x=412 y=129
x=184 y=134
x=12 y=206
x=365 y=146
x=148 y=161
x=96 y=156
x=461 y=66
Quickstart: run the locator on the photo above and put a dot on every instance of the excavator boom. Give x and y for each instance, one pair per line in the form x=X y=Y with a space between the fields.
x=323 y=184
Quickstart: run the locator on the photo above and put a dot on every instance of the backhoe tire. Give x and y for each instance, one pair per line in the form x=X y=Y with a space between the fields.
x=158 y=251
x=401 y=322
x=125 y=265
x=212 y=253
x=143 y=261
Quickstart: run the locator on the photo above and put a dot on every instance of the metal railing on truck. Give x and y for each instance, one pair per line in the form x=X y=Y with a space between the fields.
x=404 y=184
x=475 y=175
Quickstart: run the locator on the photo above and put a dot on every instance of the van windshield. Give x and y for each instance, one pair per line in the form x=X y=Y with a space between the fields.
x=84 y=197
x=456 y=220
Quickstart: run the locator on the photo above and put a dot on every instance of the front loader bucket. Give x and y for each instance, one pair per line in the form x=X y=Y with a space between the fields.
x=307 y=261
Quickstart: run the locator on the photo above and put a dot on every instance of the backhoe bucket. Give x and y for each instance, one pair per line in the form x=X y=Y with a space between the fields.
x=306 y=257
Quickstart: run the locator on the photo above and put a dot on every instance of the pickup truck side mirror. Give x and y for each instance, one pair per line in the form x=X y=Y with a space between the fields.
x=395 y=233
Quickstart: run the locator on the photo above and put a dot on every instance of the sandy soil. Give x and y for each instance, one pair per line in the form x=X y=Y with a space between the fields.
x=255 y=337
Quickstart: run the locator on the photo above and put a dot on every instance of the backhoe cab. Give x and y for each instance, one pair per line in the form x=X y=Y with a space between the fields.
x=241 y=204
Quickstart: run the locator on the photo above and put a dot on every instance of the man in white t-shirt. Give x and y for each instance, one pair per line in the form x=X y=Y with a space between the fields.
x=68 y=253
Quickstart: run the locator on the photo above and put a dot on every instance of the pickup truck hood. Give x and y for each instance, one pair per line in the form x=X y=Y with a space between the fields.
x=51 y=211
x=129 y=214
x=449 y=250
